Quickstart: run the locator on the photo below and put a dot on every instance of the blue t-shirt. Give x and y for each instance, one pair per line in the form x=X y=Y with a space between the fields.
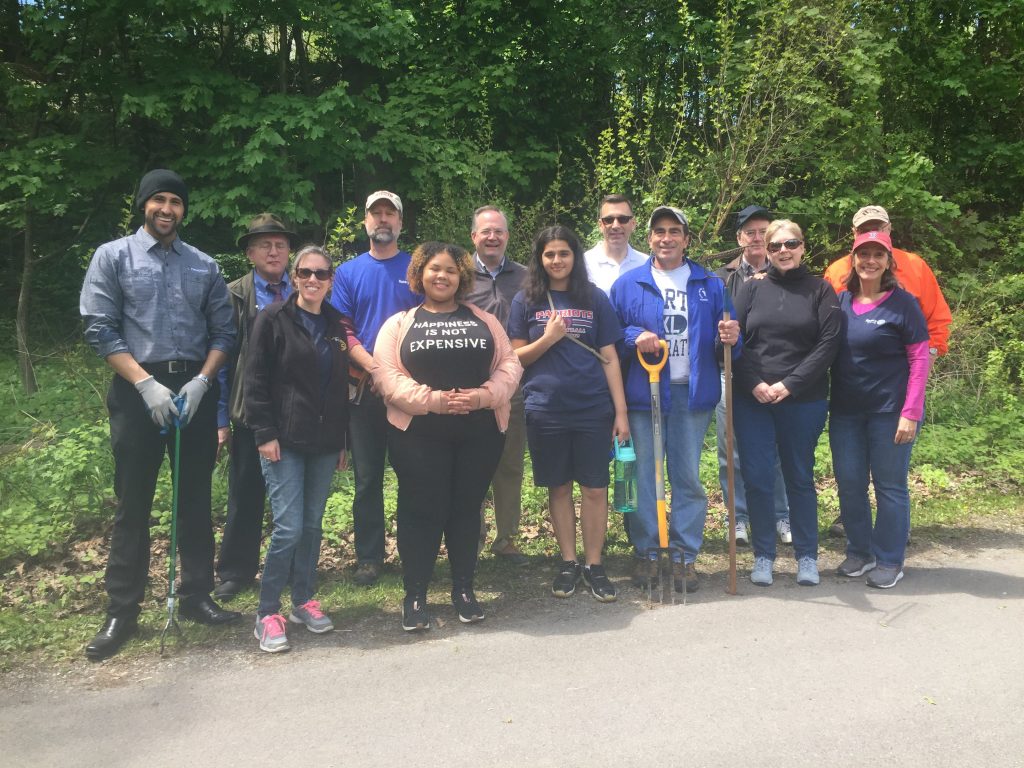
x=566 y=377
x=368 y=291
x=870 y=373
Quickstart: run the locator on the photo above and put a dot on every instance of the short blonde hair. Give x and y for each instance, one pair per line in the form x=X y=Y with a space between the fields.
x=427 y=251
x=778 y=224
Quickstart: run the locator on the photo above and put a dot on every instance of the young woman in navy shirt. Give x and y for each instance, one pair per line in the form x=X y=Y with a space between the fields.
x=564 y=330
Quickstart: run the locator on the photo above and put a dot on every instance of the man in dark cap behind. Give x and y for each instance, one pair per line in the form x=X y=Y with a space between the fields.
x=158 y=311
x=267 y=244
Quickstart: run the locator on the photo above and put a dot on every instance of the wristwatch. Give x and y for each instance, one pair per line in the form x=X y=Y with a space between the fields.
x=203 y=378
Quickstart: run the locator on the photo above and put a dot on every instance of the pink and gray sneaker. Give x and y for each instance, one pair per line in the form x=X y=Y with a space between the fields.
x=309 y=613
x=270 y=631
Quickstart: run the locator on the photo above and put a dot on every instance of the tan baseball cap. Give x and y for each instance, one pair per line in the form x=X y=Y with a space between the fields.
x=870 y=213
x=383 y=194
x=667 y=210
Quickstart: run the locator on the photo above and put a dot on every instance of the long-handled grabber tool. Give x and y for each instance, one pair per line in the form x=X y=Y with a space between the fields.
x=172 y=552
x=663 y=555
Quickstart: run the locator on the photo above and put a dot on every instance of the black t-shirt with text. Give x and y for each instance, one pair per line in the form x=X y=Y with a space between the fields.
x=445 y=350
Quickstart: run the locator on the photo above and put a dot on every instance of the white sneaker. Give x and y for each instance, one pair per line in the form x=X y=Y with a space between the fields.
x=807 y=572
x=761 y=574
x=784 y=531
x=742 y=536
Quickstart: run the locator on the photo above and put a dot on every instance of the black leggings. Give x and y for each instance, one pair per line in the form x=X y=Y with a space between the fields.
x=444 y=466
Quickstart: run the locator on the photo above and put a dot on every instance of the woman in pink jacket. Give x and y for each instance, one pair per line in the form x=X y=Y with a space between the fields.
x=446 y=371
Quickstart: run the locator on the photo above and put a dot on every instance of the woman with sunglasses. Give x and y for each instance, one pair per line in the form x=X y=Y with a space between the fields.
x=297 y=406
x=791 y=323
x=447 y=374
x=564 y=330
x=878 y=383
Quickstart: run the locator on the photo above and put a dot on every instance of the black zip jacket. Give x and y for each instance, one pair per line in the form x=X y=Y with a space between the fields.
x=282 y=386
x=791 y=323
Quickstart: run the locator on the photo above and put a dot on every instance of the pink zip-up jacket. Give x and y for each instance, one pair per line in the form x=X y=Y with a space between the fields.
x=406 y=397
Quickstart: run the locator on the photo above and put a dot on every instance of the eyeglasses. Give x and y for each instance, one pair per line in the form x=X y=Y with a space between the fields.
x=755 y=232
x=271 y=245
x=304 y=273
x=492 y=232
x=789 y=245
x=609 y=220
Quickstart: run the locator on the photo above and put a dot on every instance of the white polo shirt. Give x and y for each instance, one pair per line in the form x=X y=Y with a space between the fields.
x=603 y=271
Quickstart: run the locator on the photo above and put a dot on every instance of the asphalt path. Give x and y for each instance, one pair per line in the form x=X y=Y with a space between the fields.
x=927 y=674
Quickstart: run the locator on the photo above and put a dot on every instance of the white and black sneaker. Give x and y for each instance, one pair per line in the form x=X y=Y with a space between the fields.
x=414 y=613
x=600 y=585
x=466 y=605
x=564 y=584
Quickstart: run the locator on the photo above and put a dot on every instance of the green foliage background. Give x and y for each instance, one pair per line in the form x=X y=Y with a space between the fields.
x=812 y=108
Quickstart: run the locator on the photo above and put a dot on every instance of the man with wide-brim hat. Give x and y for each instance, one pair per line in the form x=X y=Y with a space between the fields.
x=267 y=243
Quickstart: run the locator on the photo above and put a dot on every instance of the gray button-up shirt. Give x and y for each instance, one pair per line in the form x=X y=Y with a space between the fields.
x=154 y=303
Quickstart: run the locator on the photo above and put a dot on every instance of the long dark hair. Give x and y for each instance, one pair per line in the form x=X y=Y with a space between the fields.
x=579 y=284
x=889 y=280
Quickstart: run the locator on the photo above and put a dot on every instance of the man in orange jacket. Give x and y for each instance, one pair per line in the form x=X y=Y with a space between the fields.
x=914 y=275
x=912 y=271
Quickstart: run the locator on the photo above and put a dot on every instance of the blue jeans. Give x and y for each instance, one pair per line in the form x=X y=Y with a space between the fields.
x=863 y=446
x=781 y=502
x=298 y=486
x=682 y=433
x=792 y=430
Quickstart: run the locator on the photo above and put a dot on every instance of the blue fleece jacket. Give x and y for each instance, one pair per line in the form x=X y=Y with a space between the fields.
x=640 y=308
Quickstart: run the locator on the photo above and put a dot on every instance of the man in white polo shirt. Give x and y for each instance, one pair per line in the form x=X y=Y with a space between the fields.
x=613 y=256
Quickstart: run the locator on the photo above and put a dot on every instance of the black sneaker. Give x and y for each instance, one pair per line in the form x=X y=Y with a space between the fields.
x=884 y=577
x=466 y=606
x=854 y=565
x=564 y=584
x=600 y=586
x=836 y=529
x=414 y=613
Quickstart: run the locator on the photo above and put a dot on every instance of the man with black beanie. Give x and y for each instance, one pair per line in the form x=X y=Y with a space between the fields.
x=157 y=310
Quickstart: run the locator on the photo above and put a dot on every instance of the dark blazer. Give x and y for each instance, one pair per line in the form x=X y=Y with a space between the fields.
x=282 y=387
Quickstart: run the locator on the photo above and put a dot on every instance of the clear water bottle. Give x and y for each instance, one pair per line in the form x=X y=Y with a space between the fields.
x=624 y=496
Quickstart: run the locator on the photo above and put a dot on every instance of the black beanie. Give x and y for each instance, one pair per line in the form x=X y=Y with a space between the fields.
x=161 y=180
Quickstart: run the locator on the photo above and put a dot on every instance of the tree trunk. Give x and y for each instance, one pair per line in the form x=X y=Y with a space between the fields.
x=25 y=369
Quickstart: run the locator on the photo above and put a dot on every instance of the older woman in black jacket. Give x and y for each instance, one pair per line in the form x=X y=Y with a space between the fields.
x=297 y=406
x=791 y=325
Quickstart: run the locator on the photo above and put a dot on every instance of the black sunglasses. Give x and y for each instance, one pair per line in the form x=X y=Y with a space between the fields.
x=305 y=273
x=789 y=245
x=609 y=220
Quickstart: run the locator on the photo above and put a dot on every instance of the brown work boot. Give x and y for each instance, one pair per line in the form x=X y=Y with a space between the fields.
x=685 y=573
x=645 y=573
x=509 y=552
x=367 y=573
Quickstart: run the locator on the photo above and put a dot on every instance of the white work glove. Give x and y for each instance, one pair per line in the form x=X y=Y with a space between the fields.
x=159 y=401
x=190 y=395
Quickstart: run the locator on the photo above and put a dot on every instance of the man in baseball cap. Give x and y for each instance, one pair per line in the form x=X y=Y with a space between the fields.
x=912 y=272
x=671 y=299
x=368 y=290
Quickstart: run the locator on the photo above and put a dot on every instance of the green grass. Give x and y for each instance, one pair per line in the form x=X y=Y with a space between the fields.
x=56 y=507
